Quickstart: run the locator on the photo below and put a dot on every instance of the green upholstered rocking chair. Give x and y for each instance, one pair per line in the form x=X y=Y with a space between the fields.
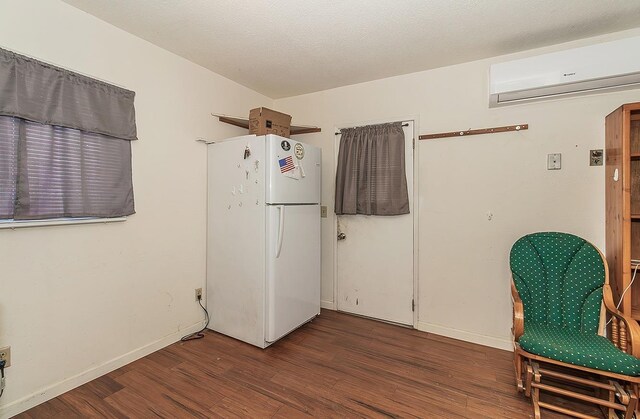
x=561 y=301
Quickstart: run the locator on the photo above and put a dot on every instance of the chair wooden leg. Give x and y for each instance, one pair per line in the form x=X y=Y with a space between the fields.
x=517 y=363
x=527 y=383
x=611 y=412
x=535 y=394
x=631 y=407
x=608 y=412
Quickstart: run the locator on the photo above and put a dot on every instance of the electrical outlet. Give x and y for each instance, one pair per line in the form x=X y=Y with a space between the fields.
x=198 y=294
x=554 y=161
x=5 y=354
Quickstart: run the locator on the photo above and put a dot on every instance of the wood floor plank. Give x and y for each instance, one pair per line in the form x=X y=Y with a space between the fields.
x=47 y=410
x=290 y=413
x=161 y=396
x=129 y=403
x=87 y=400
x=231 y=408
x=334 y=367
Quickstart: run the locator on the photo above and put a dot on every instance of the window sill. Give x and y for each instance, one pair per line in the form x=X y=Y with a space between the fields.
x=59 y=222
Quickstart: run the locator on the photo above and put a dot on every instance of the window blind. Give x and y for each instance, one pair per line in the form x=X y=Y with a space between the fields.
x=56 y=172
x=8 y=165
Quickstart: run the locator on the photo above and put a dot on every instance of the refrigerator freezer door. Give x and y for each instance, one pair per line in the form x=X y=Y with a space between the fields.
x=293 y=171
x=293 y=267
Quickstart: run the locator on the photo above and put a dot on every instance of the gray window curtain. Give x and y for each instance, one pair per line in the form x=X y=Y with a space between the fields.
x=371 y=177
x=65 y=149
x=39 y=92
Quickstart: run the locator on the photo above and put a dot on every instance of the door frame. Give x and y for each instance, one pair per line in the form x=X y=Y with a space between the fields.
x=415 y=210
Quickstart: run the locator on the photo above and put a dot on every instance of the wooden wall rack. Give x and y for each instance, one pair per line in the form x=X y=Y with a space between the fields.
x=244 y=123
x=493 y=130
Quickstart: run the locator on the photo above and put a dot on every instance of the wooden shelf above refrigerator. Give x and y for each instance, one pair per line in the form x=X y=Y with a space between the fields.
x=244 y=123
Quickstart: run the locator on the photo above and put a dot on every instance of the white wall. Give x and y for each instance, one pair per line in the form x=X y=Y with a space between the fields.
x=463 y=257
x=78 y=301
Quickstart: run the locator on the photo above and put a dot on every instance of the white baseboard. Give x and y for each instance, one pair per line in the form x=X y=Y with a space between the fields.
x=466 y=336
x=329 y=305
x=56 y=389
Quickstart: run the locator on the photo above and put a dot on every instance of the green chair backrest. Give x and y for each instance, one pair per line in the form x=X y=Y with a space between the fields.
x=559 y=278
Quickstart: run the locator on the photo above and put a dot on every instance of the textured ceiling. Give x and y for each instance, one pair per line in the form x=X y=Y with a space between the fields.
x=288 y=47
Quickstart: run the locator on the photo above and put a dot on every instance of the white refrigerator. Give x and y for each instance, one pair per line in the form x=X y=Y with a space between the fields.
x=263 y=238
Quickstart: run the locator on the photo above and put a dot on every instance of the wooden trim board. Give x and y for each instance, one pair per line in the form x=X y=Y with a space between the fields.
x=480 y=131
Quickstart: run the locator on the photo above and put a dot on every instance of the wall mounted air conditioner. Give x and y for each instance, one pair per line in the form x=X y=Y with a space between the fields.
x=611 y=65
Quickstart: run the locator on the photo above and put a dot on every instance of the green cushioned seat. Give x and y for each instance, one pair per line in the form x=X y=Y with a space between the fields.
x=559 y=278
x=584 y=349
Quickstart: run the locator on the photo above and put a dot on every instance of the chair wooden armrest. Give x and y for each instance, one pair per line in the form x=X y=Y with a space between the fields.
x=518 y=313
x=627 y=339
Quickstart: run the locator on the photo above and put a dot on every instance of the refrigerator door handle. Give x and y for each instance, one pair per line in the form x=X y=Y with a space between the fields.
x=280 y=231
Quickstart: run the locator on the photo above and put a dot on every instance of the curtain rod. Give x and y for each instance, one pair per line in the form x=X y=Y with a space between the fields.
x=338 y=133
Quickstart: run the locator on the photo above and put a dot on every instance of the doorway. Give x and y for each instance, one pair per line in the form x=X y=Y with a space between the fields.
x=375 y=257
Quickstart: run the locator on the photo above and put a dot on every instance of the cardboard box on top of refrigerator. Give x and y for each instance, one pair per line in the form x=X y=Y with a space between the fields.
x=263 y=121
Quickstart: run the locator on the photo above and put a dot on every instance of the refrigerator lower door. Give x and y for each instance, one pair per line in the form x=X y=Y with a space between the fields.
x=293 y=267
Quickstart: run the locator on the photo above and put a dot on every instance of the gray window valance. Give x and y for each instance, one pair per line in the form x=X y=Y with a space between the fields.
x=371 y=175
x=43 y=93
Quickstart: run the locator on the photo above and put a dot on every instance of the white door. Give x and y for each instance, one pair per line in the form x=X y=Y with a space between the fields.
x=293 y=267
x=375 y=259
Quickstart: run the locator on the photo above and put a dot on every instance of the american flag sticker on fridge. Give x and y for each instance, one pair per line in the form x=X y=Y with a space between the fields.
x=286 y=164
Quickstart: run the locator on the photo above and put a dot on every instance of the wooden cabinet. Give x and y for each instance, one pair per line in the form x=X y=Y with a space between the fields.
x=622 y=195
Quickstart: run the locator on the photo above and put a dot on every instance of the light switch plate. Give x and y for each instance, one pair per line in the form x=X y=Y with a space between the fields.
x=323 y=211
x=554 y=161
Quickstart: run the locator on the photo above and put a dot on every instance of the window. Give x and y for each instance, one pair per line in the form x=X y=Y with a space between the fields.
x=65 y=143
x=55 y=172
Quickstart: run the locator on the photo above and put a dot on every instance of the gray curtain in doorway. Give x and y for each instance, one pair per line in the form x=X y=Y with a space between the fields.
x=371 y=177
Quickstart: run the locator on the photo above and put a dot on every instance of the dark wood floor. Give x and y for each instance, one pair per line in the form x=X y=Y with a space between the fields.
x=336 y=366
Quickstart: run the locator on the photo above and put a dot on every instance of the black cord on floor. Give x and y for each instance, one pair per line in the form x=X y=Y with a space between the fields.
x=2 y=364
x=198 y=334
